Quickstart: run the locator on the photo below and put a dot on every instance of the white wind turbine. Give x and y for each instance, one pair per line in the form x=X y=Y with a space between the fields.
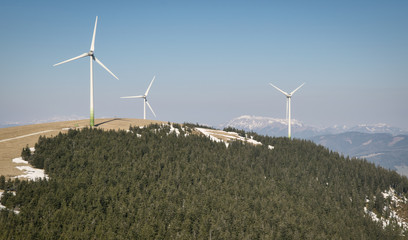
x=92 y=58
x=145 y=99
x=288 y=97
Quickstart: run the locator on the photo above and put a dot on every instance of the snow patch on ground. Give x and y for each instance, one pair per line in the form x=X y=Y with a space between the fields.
x=173 y=129
x=4 y=207
x=393 y=216
x=19 y=160
x=375 y=218
x=207 y=133
x=368 y=142
x=162 y=127
x=29 y=172
x=222 y=136
x=393 y=196
x=249 y=140
x=1 y=206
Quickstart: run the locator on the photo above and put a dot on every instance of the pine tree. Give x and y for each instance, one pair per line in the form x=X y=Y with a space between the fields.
x=26 y=153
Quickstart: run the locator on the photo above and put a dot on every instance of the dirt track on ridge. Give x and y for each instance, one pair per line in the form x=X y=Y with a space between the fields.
x=14 y=139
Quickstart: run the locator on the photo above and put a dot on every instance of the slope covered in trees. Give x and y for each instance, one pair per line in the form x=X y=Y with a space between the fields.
x=151 y=183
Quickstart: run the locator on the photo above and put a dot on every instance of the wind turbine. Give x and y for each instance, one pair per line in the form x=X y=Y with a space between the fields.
x=288 y=97
x=92 y=58
x=145 y=99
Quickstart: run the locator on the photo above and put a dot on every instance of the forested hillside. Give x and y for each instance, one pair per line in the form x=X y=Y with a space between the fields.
x=153 y=183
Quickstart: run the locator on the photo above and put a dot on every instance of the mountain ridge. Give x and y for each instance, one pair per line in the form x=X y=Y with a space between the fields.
x=380 y=143
x=276 y=126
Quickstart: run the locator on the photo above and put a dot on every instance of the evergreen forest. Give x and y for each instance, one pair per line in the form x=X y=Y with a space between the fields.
x=157 y=183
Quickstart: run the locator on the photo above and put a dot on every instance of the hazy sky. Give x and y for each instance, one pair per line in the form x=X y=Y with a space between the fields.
x=213 y=60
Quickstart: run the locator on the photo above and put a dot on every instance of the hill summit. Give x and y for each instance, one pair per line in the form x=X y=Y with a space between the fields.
x=171 y=181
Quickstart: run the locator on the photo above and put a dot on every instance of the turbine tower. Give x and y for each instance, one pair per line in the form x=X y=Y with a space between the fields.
x=145 y=99
x=92 y=58
x=288 y=97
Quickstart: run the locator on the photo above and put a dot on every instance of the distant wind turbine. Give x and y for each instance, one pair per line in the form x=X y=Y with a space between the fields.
x=92 y=58
x=288 y=97
x=145 y=99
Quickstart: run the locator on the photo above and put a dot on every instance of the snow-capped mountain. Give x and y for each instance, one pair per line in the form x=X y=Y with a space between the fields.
x=377 y=128
x=278 y=127
x=270 y=126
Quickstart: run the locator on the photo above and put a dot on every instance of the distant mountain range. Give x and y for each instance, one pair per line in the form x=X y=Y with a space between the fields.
x=279 y=127
x=382 y=149
x=378 y=143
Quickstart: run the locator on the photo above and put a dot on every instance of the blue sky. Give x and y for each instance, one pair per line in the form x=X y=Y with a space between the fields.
x=213 y=60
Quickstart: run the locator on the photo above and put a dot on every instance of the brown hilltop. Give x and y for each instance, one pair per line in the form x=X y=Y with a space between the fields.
x=14 y=139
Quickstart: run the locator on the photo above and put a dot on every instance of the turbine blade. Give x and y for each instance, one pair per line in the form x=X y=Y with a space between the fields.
x=100 y=63
x=279 y=90
x=150 y=108
x=147 y=91
x=296 y=89
x=72 y=59
x=93 y=37
x=133 y=97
